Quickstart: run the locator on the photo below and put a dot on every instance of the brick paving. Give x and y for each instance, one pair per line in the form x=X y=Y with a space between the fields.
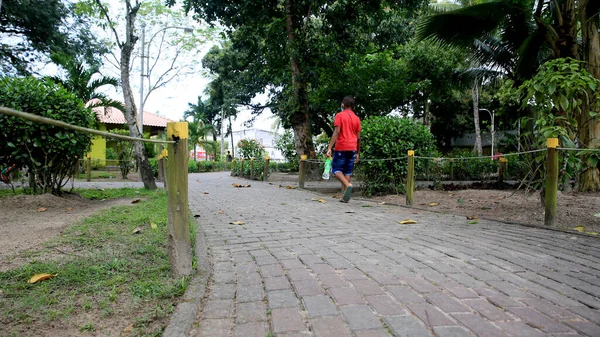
x=298 y=267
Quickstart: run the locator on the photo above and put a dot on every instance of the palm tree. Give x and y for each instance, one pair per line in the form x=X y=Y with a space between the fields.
x=532 y=31
x=80 y=80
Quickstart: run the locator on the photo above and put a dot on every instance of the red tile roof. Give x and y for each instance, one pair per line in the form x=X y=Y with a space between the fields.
x=110 y=115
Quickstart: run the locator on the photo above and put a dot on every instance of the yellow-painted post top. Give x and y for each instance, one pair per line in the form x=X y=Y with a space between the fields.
x=89 y=156
x=303 y=157
x=268 y=158
x=164 y=153
x=178 y=129
x=252 y=158
x=411 y=153
x=503 y=160
x=552 y=143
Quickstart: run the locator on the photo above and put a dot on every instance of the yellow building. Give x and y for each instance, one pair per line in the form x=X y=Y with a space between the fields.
x=110 y=119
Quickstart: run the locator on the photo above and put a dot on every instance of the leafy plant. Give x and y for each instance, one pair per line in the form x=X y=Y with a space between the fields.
x=286 y=145
x=124 y=150
x=382 y=140
x=49 y=152
x=251 y=148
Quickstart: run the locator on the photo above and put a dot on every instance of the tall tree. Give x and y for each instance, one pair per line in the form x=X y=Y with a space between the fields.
x=287 y=42
x=32 y=29
x=533 y=30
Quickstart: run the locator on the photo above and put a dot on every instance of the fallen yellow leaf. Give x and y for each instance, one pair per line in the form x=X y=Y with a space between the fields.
x=42 y=209
x=433 y=204
x=472 y=217
x=221 y=212
x=40 y=277
x=237 y=222
x=153 y=225
x=381 y=203
x=580 y=229
x=127 y=331
x=407 y=222
x=69 y=208
x=289 y=187
x=592 y=233
x=322 y=201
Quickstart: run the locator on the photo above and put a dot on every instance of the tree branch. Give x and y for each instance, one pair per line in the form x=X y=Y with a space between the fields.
x=104 y=11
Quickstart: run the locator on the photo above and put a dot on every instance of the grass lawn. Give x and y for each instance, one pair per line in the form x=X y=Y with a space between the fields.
x=113 y=270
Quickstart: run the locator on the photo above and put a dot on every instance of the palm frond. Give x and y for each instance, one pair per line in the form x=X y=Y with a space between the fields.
x=462 y=26
x=530 y=54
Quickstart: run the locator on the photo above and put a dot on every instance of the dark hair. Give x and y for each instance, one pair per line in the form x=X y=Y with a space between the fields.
x=348 y=102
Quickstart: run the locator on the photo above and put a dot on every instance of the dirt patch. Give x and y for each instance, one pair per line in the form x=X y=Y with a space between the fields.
x=574 y=209
x=26 y=221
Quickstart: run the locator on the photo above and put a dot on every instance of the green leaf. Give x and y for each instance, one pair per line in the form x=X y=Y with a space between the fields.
x=551 y=88
x=10 y=144
x=564 y=103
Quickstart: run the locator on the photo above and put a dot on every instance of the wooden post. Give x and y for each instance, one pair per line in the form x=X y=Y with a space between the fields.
x=302 y=176
x=410 y=179
x=252 y=168
x=266 y=171
x=180 y=247
x=162 y=164
x=551 y=182
x=242 y=167
x=213 y=166
x=451 y=169
x=89 y=168
x=233 y=166
x=75 y=173
x=502 y=169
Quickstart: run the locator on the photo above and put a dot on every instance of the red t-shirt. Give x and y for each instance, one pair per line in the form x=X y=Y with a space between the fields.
x=349 y=129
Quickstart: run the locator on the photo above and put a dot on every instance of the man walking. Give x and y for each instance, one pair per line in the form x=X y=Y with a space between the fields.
x=346 y=138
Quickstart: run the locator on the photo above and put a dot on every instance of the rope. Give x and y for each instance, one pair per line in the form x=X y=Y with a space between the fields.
x=44 y=120
x=573 y=149
x=481 y=157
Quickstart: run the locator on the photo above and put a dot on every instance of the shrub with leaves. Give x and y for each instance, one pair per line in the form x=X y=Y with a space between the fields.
x=251 y=148
x=49 y=152
x=286 y=145
x=124 y=150
x=391 y=137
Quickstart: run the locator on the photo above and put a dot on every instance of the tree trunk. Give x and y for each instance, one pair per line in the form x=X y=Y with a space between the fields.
x=478 y=146
x=589 y=132
x=231 y=136
x=300 y=124
x=130 y=109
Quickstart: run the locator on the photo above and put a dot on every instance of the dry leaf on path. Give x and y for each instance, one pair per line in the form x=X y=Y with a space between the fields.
x=597 y=215
x=137 y=230
x=42 y=209
x=69 y=208
x=221 y=212
x=580 y=229
x=350 y=211
x=472 y=217
x=319 y=200
x=240 y=186
x=205 y=192
x=289 y=187
x=237 y=223
x=153 y=225
x=136 y=201
x=407 y=222
x=196 y=215
x=127 y=331
x=40 y=277
x=381 y=203
x=433 y=204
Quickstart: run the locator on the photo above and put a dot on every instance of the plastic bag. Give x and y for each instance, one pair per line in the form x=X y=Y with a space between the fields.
x=327 y=169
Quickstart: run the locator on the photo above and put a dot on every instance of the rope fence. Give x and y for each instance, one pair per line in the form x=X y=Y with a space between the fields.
x=176 y=183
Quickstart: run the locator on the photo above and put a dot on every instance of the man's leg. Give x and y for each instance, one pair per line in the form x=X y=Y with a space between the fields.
x=343 y=179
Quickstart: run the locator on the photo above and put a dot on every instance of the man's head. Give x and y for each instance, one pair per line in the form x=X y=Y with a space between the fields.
x=348 y=102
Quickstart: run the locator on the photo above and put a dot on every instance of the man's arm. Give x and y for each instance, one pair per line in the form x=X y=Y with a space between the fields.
x=334 y=138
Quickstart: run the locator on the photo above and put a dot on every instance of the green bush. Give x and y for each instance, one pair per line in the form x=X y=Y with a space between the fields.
x=391 y=137
x=243 y=168
x=286 y=145
x=192 y=166
x=49 y=152
x=250 y=148
x=154 y=166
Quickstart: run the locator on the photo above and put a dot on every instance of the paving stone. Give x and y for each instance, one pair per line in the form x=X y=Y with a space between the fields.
x=271 y=270
x=222 y=292
x=224 y=277
x=367 y=287
x=254 y=329
x=587 y=328
x=452 y=331
x=277 y=283
x=459 y=291
x=331 y=326
x=488 y=310
x=446 y=303
x=353 y=274
x=407 y=326
x=467 y=280
x=251 y=312
x=360 y=317
x=549 y=309
x=339 y=263
x=479 y=325
x=385 y=279
x=287 y=320
x=538 y=320
x=322 y=268
x=292 y=264
x=218 y=309
x=405 y=294
x=520 y=329
x=346 y=296
x=249 y=279
x=509 y=289
x=332 y=281
x=430 y=315
x=310 y=287
x=372 y=333
x=213 y=328
x=299 y=274
x=420 y=284
x=498 y=298
x=320 y=305
x=385 y=305
x=250 y=293
x=266 y=260
x=281 y=299
x=592 y=315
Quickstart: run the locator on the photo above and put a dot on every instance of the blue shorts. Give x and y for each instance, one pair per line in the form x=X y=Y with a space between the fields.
x=343 y=161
